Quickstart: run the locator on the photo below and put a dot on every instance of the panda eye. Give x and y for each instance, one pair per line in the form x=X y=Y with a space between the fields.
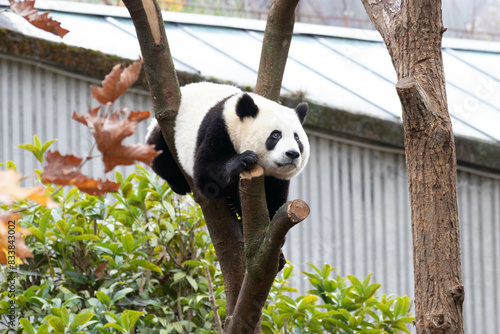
x=296 y=137
x=276 y=135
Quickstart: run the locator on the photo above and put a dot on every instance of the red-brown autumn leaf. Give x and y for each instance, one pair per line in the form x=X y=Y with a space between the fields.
x=117 y=82
x=99 y=272
x=62 y=170
x=13 y=250
x=26 y=9
x=109 y=133
x=10 y=190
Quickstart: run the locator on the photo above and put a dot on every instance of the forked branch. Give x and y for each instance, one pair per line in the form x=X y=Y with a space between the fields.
x=263 y=241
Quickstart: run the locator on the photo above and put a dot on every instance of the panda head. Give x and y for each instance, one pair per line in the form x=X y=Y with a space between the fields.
x=271 y=130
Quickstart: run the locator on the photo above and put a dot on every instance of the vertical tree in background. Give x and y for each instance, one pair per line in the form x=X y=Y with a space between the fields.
x=248 y=250
x=412 y=31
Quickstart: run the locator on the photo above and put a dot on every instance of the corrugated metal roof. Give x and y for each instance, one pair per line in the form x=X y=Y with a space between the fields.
x=348 y=69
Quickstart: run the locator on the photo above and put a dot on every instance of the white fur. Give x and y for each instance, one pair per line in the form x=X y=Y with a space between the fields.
x=251 y=134
x=197 y=99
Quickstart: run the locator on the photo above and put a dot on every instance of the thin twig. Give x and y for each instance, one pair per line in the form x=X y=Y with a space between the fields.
x=211 y=298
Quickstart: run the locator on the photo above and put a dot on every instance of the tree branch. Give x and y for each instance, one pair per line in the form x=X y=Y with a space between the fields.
x=211 y=298
x=158 y=65
x=275 y=47
x=263 y=240
x=225 y=230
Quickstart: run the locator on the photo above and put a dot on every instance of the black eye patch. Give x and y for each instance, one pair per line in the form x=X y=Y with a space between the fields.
x=273 y=139
x=301 y=146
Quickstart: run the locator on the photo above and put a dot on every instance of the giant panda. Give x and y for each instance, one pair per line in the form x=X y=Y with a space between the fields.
x=221 y=131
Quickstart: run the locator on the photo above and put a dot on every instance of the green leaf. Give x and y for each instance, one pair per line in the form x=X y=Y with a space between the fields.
x=192 y=282
x=194 y=263
x=62 y=226
x=142 y=240
x=43 y=329
x=385 y=310
x=71 y=299
x=44 y=221
x=150 y=266
x=55 y=323
x=366 y=281
x=370 y=291
x=355 y=282
x=11 y=166
x=398 y=307
x=110 y=260
x=46 y=146
x=130 y=317
x=287 y=271
x=352 y=322
x=113 y=316
x=65 y=316
x=128 y=243
x=27 y=326
x=30 y=147
x=170 y=209
x=37 y=142
x=406 y=319
x=121 y=294
x=307 y=302
x=80 y=320
x=89 y=237
x=118 y=177
x=178 y=276
x=115 y=326
x=38 y=234
x=103 y=298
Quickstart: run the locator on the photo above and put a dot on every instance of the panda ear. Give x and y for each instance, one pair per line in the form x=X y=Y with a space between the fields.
x=301 y=111
x=246 y=107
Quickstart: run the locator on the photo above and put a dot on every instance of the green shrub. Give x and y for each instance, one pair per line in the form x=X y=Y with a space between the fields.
x=333 y=306
x=135 y=263
x=116 y=266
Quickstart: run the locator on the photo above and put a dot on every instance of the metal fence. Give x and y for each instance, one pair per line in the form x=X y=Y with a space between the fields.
x=358 y=193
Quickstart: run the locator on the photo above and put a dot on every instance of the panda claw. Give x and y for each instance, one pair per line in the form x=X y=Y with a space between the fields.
x=242 y=162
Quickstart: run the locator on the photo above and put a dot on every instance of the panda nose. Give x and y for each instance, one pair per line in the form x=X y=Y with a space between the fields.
x=292 y=154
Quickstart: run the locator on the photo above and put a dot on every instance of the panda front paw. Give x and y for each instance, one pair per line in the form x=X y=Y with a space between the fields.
x=241 y=162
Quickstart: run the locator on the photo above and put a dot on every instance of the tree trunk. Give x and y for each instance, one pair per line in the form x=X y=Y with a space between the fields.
x=247 y=250
x=412 y=33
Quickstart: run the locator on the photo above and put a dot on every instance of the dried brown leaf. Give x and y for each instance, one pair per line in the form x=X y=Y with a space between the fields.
x=26 y=9
x=62 y=170
x=117 y=82
x=109 y=134
x=12 y=244
x=99 y=272
x=10 y=190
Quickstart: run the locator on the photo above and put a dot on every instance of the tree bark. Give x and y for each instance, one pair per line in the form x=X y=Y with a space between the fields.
x=275 y=47
x=248 y=268
x=263 y=240
x=224 y=229
x=412 y=33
